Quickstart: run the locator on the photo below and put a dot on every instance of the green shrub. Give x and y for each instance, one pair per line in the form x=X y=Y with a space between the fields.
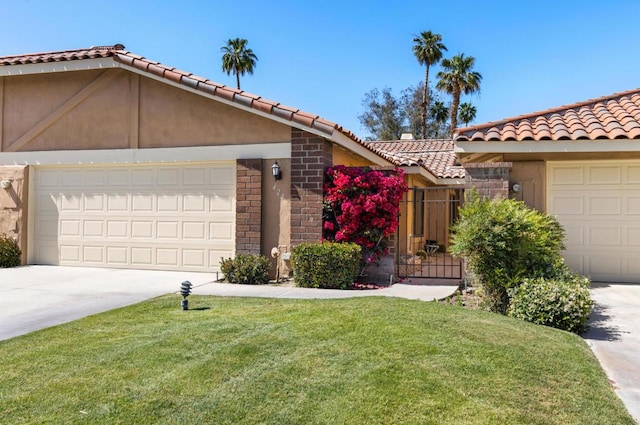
x=326 y=265
x=503 y=241
x=246 y=269
x=9 y=252
x=562 y=303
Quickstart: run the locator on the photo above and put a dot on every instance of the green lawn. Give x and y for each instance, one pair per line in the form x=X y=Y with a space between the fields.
x=266 y=361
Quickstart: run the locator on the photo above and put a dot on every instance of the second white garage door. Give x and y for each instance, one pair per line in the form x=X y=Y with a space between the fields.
x=177 y=217
x=598 y=203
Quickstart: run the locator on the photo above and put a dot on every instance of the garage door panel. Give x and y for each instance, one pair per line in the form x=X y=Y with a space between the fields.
x=632 y=205
x=93 y=254
x=167 y=230
x=601 y=215
x=600 y=174
x=604 y=236
x=194 y=257
x=70 y=254
x=567 y=203
x=169 y=218
x=633 y=237
x=604 y=205
x=568 y=175
x=141 y=256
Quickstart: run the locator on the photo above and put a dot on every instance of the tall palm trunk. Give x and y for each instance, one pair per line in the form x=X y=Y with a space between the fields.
x=238 y=79
x=425 y=104
x=455 y=103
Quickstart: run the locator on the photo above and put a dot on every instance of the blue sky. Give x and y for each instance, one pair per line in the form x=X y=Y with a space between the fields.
x=324 y=56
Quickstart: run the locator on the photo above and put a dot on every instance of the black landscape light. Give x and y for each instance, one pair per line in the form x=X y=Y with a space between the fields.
x=185 y=290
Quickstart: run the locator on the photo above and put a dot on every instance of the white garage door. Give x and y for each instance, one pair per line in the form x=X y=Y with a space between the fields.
x=177 y=217
x=598 y=203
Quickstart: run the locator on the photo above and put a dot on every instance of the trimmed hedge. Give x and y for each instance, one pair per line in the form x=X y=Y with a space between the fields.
x=563 y=302
x=9 y=252
x=246 y=269
x=329 y=265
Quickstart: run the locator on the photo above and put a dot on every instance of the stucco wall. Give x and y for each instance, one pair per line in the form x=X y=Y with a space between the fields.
x=13 y=205
x=117 y=109
x=531 y=176
x=276 y=213
x=343 y=157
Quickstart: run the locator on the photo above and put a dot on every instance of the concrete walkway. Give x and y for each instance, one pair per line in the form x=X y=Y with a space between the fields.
x=614 y=337
x=36 y=297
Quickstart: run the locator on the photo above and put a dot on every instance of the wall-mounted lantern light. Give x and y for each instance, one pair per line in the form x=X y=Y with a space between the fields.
x=275 y=170
x=5 y=184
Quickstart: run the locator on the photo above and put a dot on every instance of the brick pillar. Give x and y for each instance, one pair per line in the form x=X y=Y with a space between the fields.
x=248 y=205
x=490 y=179
x=310 y=156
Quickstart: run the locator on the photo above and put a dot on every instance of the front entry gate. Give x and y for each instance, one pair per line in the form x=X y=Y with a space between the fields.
x=423 y=238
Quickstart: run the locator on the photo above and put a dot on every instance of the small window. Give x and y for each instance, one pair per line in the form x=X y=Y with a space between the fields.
x=418 y=212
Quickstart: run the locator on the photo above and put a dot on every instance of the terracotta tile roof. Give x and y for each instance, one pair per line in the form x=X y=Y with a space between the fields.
x=436 y=156
x=93 y=52
x=240 y=97
x=611 y=117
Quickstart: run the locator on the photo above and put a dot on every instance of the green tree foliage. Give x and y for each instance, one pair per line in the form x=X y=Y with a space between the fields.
x=386 y=116
x=503 y=242
x=427 y=48
x=467 y=113
x=383 y=116
x=458 y=77
x=237 y=58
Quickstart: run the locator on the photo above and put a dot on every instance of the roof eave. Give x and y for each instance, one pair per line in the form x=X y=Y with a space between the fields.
x=61 y=66
x=549 y=146
x=440 y=181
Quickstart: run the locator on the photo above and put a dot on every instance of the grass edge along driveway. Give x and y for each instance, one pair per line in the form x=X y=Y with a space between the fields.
x=275 y=361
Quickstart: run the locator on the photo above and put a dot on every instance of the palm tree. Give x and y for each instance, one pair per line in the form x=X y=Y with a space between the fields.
x=456 y=78
x=237 y=58
x=440 y=114
x=427 y=49
x=467 y=113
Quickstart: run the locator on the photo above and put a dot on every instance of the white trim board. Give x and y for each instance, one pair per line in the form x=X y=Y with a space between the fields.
x=155 y=155
x=62 y=66
x=550 y=146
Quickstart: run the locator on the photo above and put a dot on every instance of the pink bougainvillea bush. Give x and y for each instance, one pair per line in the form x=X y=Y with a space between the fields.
x=361 y=205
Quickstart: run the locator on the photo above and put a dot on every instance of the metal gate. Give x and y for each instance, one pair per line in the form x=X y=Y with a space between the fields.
x=426 y=215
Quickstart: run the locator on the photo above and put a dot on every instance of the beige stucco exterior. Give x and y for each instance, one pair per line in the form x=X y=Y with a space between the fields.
x=14 y=205
x=341 y=156
x=116 y=109
x=276 y=214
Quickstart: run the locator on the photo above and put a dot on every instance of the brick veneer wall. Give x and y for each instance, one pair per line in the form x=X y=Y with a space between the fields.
x=310 y=156
x=248 y=206
x=491 y=179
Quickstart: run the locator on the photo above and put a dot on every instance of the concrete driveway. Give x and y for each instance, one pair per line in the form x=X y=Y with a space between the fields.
x=35 y=297
x=614 y=337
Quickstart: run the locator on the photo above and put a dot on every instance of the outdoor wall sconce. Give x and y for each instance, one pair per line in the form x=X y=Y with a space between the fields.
x=5 y=184
x=275 y=170
x=185 y=290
